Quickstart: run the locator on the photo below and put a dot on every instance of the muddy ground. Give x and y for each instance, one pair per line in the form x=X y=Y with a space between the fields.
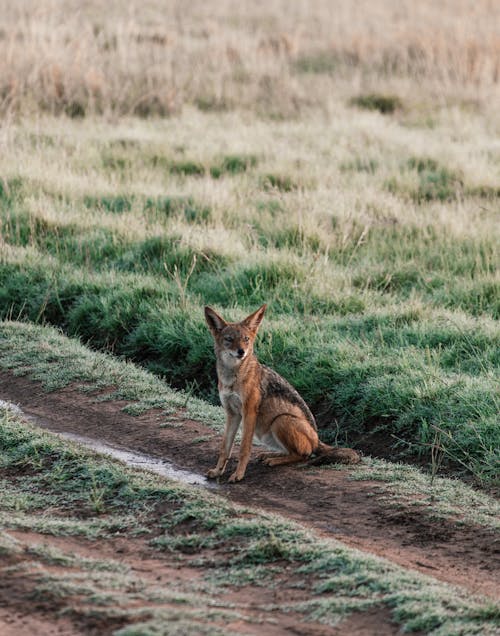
x=324 y=500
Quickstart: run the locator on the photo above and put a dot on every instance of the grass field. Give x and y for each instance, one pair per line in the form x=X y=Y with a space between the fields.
x=373 y=242
x=345 y=171
x=48 y=357
x=339 y=161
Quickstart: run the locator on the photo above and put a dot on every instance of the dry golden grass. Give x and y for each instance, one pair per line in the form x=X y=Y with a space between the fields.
x=276 y=57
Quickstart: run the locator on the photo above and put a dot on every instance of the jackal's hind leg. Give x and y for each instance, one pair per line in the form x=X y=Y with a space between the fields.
x=297 y=437
x=263 y=457
x=280 y=459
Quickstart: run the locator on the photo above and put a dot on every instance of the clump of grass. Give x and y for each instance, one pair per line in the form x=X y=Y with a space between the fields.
x=165 y=253
x=213 y=104
x=124 y=142
x=116 y=161
x=402 y=483
x=322 y=63
x=280 y=182
x=271 y=206
x=435 y=182
x=385 y=104
x=25 y=229
x=155 y=104
x=156 y=160
x=75 y=109
x=255 y=282
x=9 y=188
x=109 y=203
x=483 y=191
x=422 y=164
x=361 y=164
x=292 y=237
x=187 y=168
x=233 y=164
x=186 y=207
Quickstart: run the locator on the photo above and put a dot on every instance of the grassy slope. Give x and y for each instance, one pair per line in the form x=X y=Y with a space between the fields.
x=49 y=357
x=51 y=487
x=372 y=240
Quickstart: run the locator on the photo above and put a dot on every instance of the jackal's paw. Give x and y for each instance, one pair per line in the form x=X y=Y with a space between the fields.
x=213 y=473
x=236 y=476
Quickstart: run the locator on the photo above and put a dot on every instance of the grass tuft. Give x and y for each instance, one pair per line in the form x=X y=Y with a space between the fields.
x=385 y=104
x=116 y=204
x=281 y=183
x=434 y=182
x=233 y=164
x=187 y=168
x=165 y=207
x=323 y=62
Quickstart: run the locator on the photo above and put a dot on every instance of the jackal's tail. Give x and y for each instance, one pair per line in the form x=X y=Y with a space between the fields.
x=325 y=454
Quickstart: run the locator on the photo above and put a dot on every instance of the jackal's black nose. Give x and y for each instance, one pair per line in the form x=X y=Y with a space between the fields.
x=241 y=353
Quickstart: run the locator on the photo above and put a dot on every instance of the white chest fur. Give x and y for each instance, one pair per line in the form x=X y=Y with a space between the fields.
x=230 y=399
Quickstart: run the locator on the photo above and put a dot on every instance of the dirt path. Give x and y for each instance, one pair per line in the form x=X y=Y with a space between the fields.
x=326 y=501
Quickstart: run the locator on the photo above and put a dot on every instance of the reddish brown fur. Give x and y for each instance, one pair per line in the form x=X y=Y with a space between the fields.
x=268 y=406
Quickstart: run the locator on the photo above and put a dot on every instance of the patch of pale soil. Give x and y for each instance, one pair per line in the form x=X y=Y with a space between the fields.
x=326 y=501
x=16 y=624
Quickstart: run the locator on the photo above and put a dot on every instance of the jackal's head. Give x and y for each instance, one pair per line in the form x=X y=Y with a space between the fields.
x=233 y=340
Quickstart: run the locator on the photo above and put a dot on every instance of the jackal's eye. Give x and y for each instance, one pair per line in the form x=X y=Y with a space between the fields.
x=228 y=339
x=246 y=339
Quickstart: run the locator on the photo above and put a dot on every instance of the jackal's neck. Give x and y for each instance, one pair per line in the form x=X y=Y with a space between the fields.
x=232 y=373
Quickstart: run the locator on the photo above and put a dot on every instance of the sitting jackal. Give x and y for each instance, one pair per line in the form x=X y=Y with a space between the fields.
x=269 y=407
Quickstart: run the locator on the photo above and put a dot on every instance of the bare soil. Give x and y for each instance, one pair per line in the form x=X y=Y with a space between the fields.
x=324 y=500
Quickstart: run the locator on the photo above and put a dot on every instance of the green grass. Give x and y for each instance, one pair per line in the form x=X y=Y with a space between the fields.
x=188 y=168
x=434 y=183
x=171 y=207
x=56 y=361
x=378 y=260
x=401 y=483
x=118 y=204
x=233 y=164
x=282 y=183
x=406 y=372
x=385 y=104
x=321 y=63
x=229 y=543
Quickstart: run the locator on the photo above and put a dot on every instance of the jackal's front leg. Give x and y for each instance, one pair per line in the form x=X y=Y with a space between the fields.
x=249 y=423
x=232 y=422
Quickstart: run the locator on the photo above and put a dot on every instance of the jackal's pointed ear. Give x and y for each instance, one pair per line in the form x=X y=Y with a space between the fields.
x=215 y=322
x=253 y=321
